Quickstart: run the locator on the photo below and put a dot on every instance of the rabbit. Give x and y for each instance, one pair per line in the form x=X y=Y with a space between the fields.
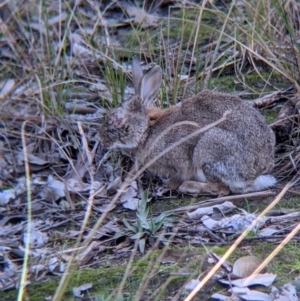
x=236 y=155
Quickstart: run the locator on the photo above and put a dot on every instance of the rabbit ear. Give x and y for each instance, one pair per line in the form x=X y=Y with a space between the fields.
x=150 y=84
x=137 y=73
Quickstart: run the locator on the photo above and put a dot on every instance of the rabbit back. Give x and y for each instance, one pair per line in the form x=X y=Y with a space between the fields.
x=237 y=152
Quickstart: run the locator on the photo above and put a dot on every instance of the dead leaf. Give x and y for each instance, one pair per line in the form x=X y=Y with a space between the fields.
x=191 y=285
x=56 y=187
x=247 y=294
x=234 y=224
x=131 y=203
x=55 y=266
x=269 y=231
x=6 y=196
x=258 y=279
x=109 y=228
x=65 y=205
x=224 y=297
x=129 y=193
x=6 y=87
x=285 y=293
x=226 y=206
x=35 y=238
x=246 y=265
x=114 y=184
x=128 y=198
x=77 y=290
x=88 y=253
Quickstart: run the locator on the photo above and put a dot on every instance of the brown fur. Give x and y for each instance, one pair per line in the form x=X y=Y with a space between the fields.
x=235 y=156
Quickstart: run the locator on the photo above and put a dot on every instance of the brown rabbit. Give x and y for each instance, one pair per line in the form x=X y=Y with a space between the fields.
x=236 y=155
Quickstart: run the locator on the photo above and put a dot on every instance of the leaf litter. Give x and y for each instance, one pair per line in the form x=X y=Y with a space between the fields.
x=58 y=148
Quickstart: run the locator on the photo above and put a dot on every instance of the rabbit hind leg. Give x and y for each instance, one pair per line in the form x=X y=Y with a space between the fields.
x=194 y=187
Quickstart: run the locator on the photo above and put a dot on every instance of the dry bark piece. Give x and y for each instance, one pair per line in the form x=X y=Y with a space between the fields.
x=267 y=99
x=283 y=123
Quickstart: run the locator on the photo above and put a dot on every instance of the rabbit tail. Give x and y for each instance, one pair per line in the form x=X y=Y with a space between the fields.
x=261 y=182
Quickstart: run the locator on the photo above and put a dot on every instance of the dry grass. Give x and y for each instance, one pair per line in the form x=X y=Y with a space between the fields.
x=63 y=63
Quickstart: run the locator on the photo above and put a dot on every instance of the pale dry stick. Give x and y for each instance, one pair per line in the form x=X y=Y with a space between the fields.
x=236 y=243
x=22 y=286
x=221 y=200
x=66 y=276
x=293 y=162
x=268 y=98
x=140 y=171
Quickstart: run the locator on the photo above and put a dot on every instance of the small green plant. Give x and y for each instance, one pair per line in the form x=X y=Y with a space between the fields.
x=145 y=227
